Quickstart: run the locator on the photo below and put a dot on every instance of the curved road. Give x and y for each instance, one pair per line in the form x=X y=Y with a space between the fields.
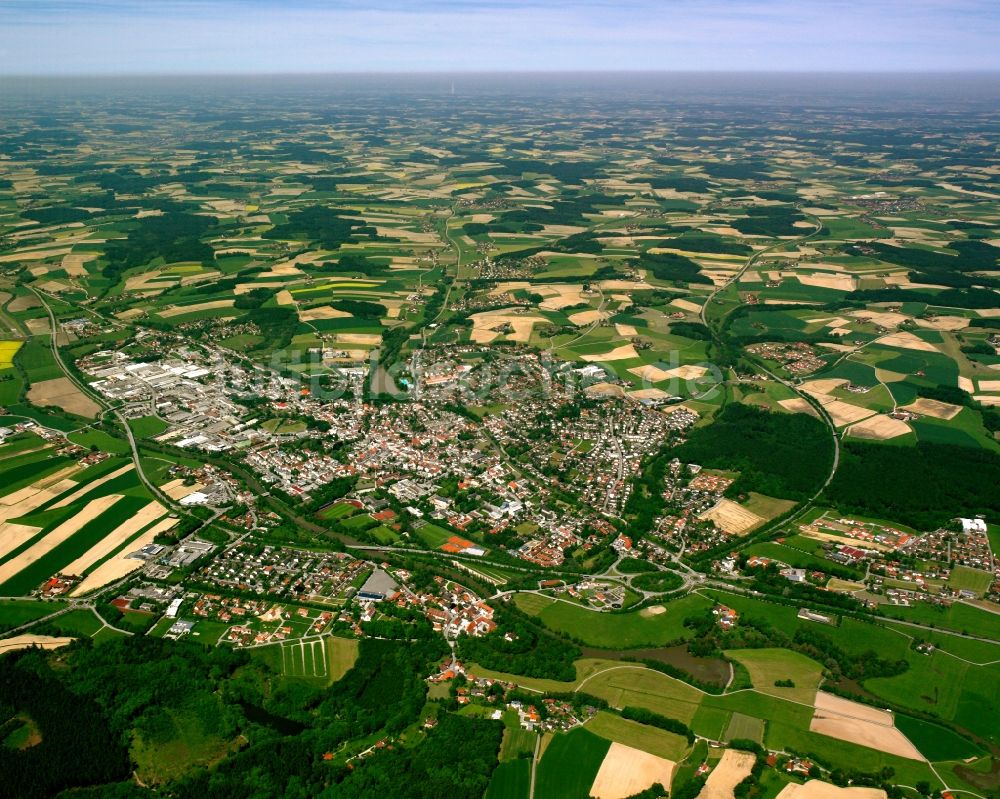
x=167 y=502
x=813 y=402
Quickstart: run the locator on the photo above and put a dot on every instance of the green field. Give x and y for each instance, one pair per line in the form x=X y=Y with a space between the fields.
x=745 y=728
x=325 y=660
x=766 y=666
x=147 y=426
x=517 y=741
x=617 y=630
x=15 y=612
x=711 y=722
x=511 y=780
x=639 y=736
x=570 y=764
x=934 y=741
x=962 y=618
x=338 y=510
x=635 y=686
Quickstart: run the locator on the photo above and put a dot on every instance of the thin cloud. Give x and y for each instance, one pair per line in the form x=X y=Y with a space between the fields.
x=189 y=36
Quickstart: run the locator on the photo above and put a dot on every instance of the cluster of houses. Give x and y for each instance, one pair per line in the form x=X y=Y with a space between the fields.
x=452 y=610
x=797 y=357
x=252 y=567
x=970 y=547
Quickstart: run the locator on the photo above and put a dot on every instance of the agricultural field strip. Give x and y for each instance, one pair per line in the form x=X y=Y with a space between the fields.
x=87 y=488
x=120 y=565
x=116 y=538
x=62 y=533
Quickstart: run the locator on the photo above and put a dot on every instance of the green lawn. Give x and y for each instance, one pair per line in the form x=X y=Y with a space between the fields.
x=961 y=618
x=433 y=536
x=147 y=426
x=745 y=728
x=975 y=580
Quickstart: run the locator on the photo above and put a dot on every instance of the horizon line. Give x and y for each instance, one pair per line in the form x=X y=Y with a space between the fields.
x=554 y=72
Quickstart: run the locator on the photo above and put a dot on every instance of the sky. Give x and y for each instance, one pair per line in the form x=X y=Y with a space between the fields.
x=88 y=37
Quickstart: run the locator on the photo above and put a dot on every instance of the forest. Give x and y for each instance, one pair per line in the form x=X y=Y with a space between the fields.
x=92 y=704
x=322 y=225
x=172 y=236
x=77 y=745
x=923 y=486
x=778 y=454
x=533 y=652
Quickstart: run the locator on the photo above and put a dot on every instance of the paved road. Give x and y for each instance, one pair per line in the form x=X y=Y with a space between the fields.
x=534 y=766
x=821 y=412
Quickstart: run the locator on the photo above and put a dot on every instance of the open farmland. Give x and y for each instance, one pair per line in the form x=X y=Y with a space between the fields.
x=388 y=437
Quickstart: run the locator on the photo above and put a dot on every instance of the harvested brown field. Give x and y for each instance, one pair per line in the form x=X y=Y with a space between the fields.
x=626 y=330
x=63 y=532
x=907 y=341
x=817 y=789
x=944 y=323
x=798 y=405
x=844 y=539
x=485 y=325
x=844 y=413
x=838 y=282
x=688 y=372
x=651 y=373
x=626 y=771
x=14 y=535
x=687 y=305
x=180 y=310
x=116 y=538
x=176 y=489
x=23 y=302
x=732 y=517
x=604 y=390
x=734 y=767
x=63 y=393
x=27 y=640
x=879 y=428
x=824 y=385
x=559 y=296
x=648 y=394
x=587 y=317
x=74 y=262
x=321 y=312
x=369 y=339
x=884 y=318
x=935 y=408
x=860 y=724
x=622 y=353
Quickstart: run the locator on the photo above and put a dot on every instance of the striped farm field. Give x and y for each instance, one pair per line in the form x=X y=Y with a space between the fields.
x=78 y=529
